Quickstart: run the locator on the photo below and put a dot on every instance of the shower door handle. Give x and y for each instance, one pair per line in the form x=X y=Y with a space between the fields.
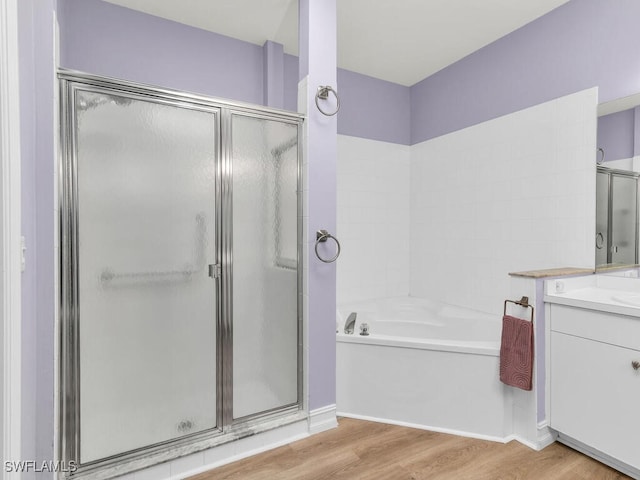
x=215 y=270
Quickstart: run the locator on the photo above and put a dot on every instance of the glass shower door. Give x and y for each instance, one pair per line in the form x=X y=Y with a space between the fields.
x=264 y=159
x=602 y=218
x=617 y=236
x=624 y=217
x=146 y=198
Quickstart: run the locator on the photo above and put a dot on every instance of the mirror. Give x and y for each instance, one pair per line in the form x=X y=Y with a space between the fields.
x=617 y=236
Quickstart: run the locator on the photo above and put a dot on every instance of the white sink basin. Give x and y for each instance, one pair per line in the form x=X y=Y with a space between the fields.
x=632 y=299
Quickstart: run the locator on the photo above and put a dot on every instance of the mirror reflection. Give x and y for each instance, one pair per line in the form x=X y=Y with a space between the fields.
x=617 y=236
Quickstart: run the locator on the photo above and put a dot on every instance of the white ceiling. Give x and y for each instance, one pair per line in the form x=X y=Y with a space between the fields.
x=402 y=41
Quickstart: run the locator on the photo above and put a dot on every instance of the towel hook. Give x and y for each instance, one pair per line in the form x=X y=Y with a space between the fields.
x=323 y=94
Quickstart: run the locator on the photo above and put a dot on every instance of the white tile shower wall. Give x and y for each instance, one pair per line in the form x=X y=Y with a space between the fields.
x=373 y=219
x=622 y=163
x=514 y=193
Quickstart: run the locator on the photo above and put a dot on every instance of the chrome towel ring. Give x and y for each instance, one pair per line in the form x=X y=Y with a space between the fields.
x=599 y=240
x=323 y=94
x=321 y=237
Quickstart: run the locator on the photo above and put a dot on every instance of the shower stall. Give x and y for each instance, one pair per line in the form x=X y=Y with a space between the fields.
x=180 y=273
x=617 y=235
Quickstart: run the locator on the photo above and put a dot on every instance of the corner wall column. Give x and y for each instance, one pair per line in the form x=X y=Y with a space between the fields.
x=273 y=74
x=10 y=232
x=317 y=42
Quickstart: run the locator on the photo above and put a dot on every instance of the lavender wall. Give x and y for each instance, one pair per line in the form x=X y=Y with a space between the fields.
x=582 y=44
x=616 y=134
x=28 y=219
x=110 y=40
x=44 y=248
x=317 y=45
x=37 y=180
x=290 y=83
x=273 y=74
x=373 y=109
x=106 y=39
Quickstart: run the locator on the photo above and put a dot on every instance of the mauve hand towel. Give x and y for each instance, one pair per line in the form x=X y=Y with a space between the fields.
x=516 y=352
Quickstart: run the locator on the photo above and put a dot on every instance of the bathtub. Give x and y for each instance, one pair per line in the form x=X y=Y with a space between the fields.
x=424 y=364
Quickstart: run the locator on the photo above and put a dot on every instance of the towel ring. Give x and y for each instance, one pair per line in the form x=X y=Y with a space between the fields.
x=321 y=237
x=323 y=94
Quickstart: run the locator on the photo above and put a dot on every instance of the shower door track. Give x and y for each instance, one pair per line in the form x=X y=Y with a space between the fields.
x=227 y=428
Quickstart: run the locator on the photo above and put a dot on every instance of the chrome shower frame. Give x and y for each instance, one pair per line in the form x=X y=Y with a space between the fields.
x=68 y=398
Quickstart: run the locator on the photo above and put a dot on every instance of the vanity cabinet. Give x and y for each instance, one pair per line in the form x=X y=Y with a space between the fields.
x=595 y=384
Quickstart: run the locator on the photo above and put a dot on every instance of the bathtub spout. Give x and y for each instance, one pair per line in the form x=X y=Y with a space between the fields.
x=350 y=324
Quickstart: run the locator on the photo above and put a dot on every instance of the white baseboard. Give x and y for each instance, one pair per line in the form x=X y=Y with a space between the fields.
x=545 y=437
x=322 y=419
x=449 y=431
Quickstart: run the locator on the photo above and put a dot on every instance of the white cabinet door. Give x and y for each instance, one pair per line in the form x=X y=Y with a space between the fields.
x=595 y=395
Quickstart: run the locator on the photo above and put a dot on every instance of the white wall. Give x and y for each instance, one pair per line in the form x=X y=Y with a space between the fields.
x=511 y=194
x=632 y=164
x=373 y=219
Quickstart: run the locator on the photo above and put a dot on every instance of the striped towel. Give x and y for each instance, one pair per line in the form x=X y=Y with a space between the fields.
x=516 y=352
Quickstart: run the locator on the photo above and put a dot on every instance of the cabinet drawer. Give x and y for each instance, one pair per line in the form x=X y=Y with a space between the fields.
x=595 y=393
x=610 y=328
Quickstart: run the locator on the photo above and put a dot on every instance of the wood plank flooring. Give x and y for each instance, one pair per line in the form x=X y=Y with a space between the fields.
x=360 y=450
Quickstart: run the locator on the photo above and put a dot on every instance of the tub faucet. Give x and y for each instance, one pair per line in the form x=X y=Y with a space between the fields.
x=350 y=324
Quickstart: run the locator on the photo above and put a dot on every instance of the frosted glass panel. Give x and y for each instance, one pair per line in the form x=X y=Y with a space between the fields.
x=146 y=193
x=265 y=323
x=602 y=218
x=623 y=225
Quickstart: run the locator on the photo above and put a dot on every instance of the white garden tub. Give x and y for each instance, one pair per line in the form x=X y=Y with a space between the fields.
x=424 y=364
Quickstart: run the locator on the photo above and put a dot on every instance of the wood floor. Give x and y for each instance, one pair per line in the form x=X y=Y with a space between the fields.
x=375 y=451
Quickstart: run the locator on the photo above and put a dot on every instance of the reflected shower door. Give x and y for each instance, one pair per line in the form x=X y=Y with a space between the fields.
x=264 y=158
x=624 y=219
x=145 y=194
x=602 y=218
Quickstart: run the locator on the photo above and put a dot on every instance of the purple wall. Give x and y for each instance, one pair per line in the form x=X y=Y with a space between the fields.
x=582 y=44
x=317 y=43
x=273 y=74
x=374 y=109
x=46 y=158
x=37 y=69
x=616 y=134
x=290 y=83
x=106 y=39
x=28 y=143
